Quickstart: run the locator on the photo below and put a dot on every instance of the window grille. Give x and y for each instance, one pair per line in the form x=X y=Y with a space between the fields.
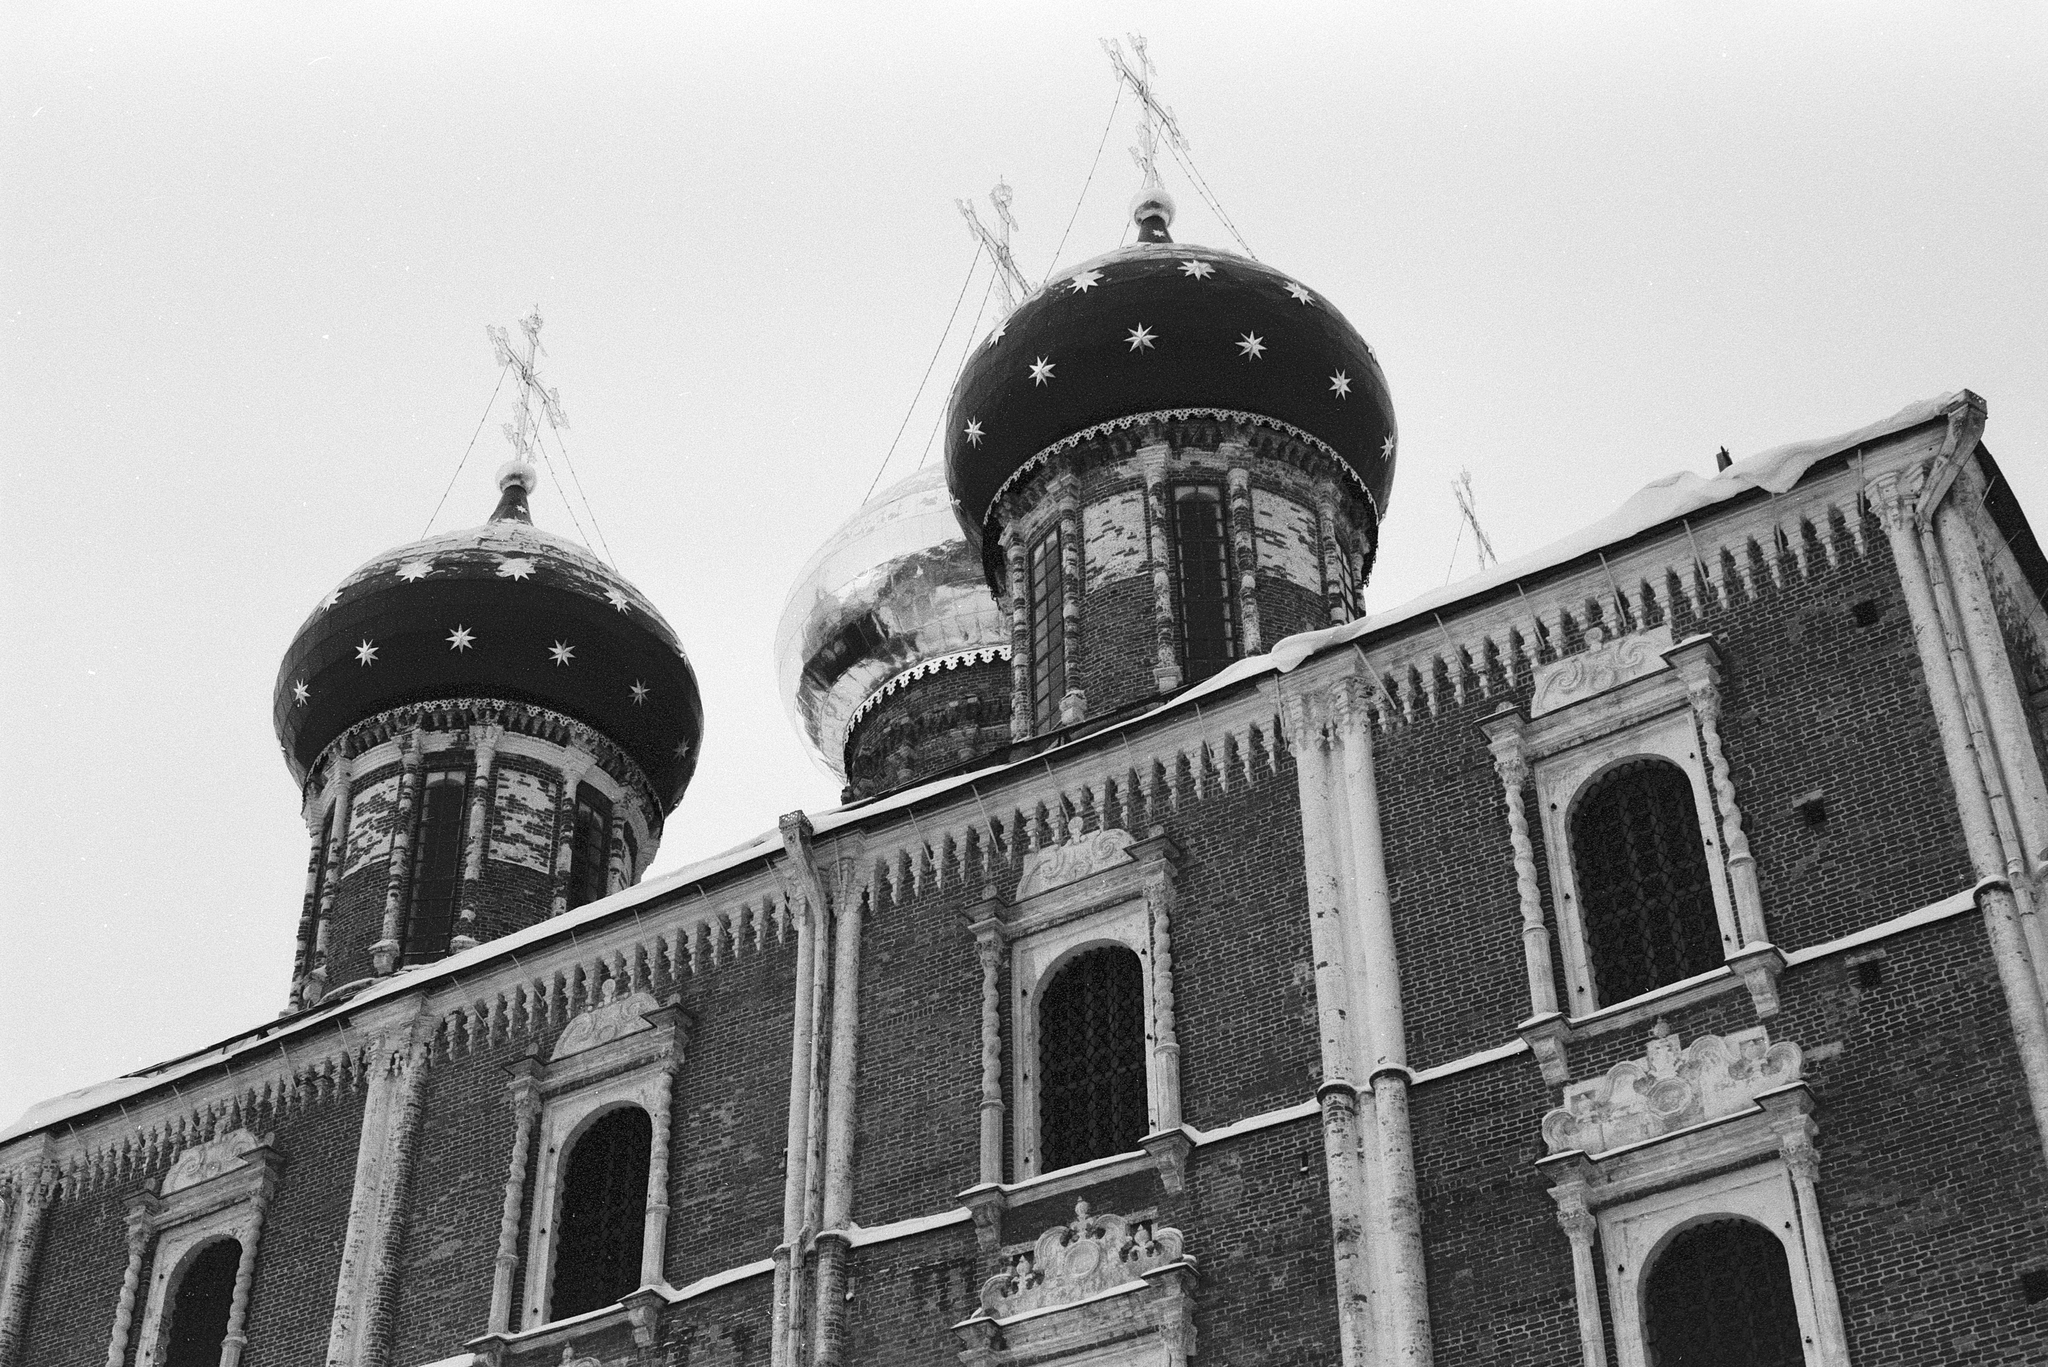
x=1208 y=608
x=1721 y=1296
x=199 y=1311
x=1091 y=1059
x=604 y=1214
x=1644 y=893
x=590 y=855
x=1047 y=592
x=437 y=867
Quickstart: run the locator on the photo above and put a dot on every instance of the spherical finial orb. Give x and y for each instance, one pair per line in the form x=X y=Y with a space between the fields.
x=518 y=471
x=1152 y=210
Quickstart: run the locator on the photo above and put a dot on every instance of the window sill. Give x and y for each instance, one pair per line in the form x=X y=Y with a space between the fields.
x=1754 y=967
x=1164 y=1153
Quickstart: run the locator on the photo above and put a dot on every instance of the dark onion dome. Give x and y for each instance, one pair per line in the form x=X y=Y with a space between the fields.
x=1162 y=330
x=504 y=611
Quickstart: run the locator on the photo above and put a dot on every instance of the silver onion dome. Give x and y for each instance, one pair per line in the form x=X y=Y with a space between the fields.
x=893 y=595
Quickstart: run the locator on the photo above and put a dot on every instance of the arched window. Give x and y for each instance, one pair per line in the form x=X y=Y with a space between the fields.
x=1721 y=1296
x=1091 y=1058
x=199 y=1311
x=1045 y=600
x=1644 y=894
x=604 y=1212
x=437 y=868
x=1201 y=556
x=590 y=856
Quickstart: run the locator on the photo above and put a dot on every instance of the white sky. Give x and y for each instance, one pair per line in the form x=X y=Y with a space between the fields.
x=249 y=255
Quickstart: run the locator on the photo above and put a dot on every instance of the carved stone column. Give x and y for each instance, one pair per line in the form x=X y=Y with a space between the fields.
x=384 y=954
x=237 y=1338
x=1328 y=552
x=309 y=911
x=484 y=739
x=1074 y=702
x=141 y=1230
x=32 y=1198
x=989 y=949
x=1168 y=1143
x=654 y=1236
x=565 y=831
x=526 y=1074
x=337 y=864
x=1158 y=552
x=1244 y=550
x=1802 y=1160
x=1022 y=722
x=1504 y=736
x=617 y=875
x=1580 y=1226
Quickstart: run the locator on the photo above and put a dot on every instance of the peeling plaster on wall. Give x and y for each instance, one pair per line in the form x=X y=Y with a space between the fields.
x=1113 y=538
x=526 y=820
x=369 y=823
x=1287 y=539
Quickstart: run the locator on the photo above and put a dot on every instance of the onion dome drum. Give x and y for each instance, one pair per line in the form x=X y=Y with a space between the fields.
x=1163 y=331
x=502 y=611
x=893 y=595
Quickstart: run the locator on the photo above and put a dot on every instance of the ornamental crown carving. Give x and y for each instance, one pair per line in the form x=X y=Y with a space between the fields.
x=610 y=1017
x=1073 y=859
x=204 y=1162
x=1604 y=665
x=1083 y=1258
x=1671 y=1088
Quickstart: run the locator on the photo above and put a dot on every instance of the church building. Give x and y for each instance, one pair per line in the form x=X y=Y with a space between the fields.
x=1631 y=955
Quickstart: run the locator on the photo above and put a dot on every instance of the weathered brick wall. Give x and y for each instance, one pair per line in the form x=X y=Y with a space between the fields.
x=1119 y=645
x=928 y=726
x=1286 y=607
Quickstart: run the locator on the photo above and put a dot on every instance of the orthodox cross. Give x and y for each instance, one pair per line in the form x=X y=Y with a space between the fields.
x=1468 y=508
x=998 y=245
x=524 y=433
x=1154 y=118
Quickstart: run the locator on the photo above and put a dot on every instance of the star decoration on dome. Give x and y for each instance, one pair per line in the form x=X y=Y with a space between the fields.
x=1041 y=370
x=514 y=567
x=462 y=638
x=1085 y=281
x=301 y=694
x=1294 y=288
x=412 y=571
x=561 y=652
x=997 y=335
x=1340 y=385
x=1141 y=338
x=1196 y=270
x=639 y=691
x=1251 y=346
x=973 y=432
x=616 y=597
x=331 y=599
x=1387 y=449
x=366 y=653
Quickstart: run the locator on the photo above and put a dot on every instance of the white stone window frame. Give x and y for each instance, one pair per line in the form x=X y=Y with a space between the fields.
x=1125 y=905
x=1634 y=1234
x=1648 y=719
x=635 y=1069
x=228 y=1205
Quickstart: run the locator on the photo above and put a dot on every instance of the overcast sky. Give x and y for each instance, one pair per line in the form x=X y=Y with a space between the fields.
x=250 y=252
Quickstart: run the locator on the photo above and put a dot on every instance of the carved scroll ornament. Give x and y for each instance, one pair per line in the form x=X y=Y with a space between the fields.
x=203 y=1162
x=1074 y=1261
x=1671 y=1088
x=610 y=1017
x=1602 y=666
x=1073 y=859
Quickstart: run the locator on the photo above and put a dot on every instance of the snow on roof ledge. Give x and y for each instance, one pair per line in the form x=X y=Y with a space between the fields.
x=1660 y=501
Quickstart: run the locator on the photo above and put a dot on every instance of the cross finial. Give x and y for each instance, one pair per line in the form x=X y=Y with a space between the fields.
x=1155 y=121
x=998 y=244
x=524 y=432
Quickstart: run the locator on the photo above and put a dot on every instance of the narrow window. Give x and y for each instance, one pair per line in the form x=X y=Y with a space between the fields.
x=631 y=862
x=1642 y=873
x=437 y=868
x=590 y=856
x=1721 y=1296
x=199 y=1310
x=1047 y=593
x=1208 y=609
x=1091 y=1058
x=604 y=1212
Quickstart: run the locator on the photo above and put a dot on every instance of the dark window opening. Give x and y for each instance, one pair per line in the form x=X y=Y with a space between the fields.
x=437 y=867
x=199 y=1310
x=1866 y=612
x=604 y=1214
x=1047 y=600
x=590 y=855
x=631 y=859
x=1091 y=1059
x=1644 y=893
x=1721 y=1296
x=1201 y=561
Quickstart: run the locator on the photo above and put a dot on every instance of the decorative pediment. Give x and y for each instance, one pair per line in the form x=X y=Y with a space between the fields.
x=608 y=1018
x=1604 y=665
x=1073 y=859
x=204 y=1162
x=1670 y=1088
x=1074 y=1261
